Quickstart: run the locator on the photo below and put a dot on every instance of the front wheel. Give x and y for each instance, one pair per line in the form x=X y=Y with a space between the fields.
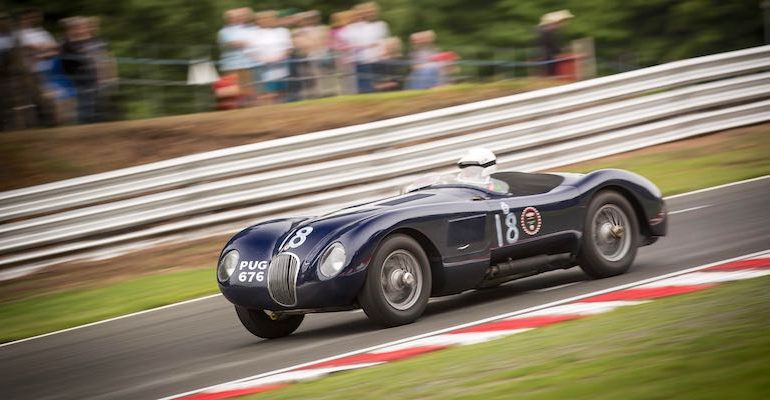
x=398 y=282
x=610 y=236
x=259 y=323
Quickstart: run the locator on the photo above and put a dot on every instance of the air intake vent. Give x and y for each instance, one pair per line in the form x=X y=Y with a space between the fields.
x=282 y=279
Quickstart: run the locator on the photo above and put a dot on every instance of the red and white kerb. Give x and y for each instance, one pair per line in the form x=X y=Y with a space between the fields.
x=675 y=285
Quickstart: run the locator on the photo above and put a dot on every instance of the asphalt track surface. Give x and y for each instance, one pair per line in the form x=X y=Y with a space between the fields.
x=198 y=344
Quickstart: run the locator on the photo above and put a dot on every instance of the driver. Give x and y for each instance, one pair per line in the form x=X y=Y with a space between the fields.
x=476 y=168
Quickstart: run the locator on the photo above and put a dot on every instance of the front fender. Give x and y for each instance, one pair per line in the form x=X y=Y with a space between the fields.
x=305 y=238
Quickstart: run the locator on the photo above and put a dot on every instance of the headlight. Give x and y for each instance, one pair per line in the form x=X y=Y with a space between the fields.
x=227 y=265
x=333 y=260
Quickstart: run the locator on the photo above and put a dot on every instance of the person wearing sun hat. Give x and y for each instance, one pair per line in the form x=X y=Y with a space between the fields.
x=549 y=38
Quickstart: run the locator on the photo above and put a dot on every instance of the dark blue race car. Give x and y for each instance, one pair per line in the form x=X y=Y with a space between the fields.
x=444 y=237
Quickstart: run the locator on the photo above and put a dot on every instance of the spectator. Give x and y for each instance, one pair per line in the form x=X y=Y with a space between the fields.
x=549 y=40
x=38 y=49
x=254 y=48
x=38 y=45
x=364 y=36
x=392 y=68
x=17 y=82
x=60 y=90
x=78 y=62
x=226 y=92
x=426 y=72
x=106 y=73
x=423 y=47
x=302 y=82
x=312 y=42
x=276 y=47
x=447 y=62
x=234 y=41
x=291 y=19
x=342 y=51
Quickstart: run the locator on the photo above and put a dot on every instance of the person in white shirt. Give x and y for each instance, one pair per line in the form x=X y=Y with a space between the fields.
x=37 y=43
x=234 y=42
x=38 y=51
x=275 y=48
x=312 y=46
x=343 y=51
x=365 y=37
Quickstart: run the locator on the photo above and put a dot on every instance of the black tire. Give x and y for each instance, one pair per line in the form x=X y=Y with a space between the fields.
x=604 y=252
x=379 y=300
x=260 y=324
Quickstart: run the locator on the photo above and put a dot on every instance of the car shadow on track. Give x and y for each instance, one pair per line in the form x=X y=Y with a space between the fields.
x=351 y=324
x=510 y=290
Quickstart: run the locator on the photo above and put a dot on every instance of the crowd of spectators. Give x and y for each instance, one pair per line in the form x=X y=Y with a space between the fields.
x=266 y=57
x=47 y=81
x=269 y=57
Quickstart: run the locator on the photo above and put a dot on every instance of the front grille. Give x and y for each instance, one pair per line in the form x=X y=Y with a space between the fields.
x=282 y=279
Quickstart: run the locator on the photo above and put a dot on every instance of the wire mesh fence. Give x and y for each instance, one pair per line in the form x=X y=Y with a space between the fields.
x=150 y=85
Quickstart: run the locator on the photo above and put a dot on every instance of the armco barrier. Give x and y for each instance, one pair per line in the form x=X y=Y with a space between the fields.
x=532 y=130
x=303 y=148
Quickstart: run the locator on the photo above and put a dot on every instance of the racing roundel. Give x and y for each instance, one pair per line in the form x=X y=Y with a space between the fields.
x=531 y=221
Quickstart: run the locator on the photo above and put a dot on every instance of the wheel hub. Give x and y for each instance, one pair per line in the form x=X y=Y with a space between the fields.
x=609 y=232
x=408 y=279
x=396 y=278
x=617 y=231
x=611 y=240
x=401 y=279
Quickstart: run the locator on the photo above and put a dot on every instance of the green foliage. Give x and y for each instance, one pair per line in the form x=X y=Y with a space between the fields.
x=632 y=33
x=655 y=30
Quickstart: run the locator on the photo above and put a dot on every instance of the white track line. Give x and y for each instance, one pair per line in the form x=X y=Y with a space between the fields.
x=215 y=295
x=474 y=323
x=726 y=185
x=211 y=296
x=688 y=209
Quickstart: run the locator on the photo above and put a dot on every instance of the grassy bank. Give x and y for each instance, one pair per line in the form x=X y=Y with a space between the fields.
x=697 y=163
x=32 y=157
x=675 y=167
x=707 y=345
x=54 y=311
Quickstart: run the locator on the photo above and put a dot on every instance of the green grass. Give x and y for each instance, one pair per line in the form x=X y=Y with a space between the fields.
x=676 y=170
x=51 y=312
x=685 y=169
x=707 y=345
x=405 y=95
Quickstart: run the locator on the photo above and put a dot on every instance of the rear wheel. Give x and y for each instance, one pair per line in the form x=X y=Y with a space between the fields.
x=259 y=323
x=610 y=237
x=398 y=282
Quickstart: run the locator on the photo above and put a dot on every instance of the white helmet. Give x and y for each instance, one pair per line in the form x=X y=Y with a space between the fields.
x=477 y=157
x=476 y=166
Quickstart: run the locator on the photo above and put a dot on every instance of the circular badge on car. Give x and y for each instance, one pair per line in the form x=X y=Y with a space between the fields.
x=531 y=221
